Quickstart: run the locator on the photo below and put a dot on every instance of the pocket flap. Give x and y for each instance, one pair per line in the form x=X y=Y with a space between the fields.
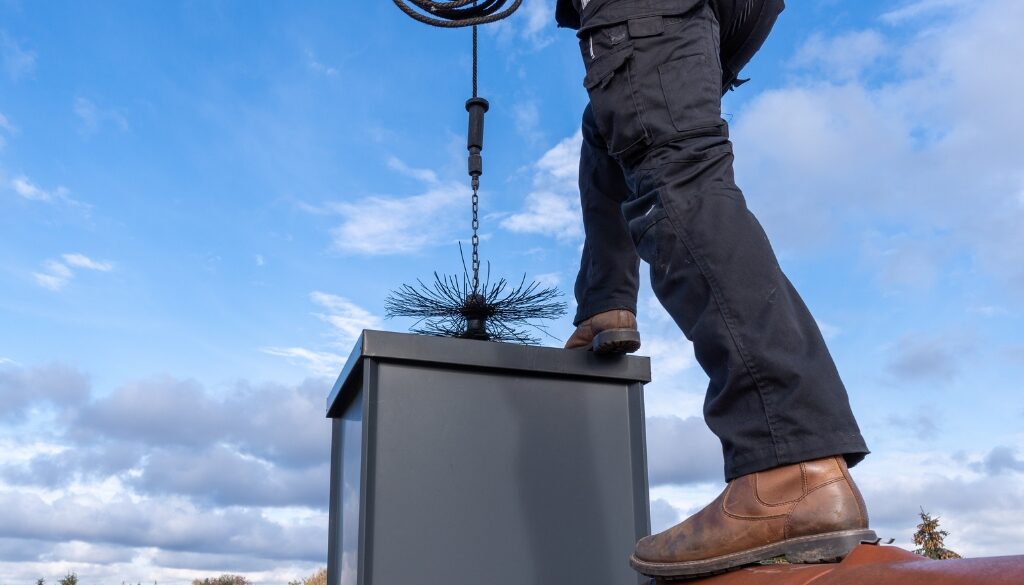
x=604 y=66
x=651 y=26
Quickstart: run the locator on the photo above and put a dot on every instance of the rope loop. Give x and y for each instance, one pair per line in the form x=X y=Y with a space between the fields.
x=458 y=13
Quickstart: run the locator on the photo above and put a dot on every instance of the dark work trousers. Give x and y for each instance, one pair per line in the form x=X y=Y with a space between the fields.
x=656 y=182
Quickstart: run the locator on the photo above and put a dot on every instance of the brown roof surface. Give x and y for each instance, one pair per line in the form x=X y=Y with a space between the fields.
x=871 y=564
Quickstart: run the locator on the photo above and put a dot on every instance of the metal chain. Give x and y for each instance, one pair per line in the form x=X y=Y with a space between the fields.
x=476 y=239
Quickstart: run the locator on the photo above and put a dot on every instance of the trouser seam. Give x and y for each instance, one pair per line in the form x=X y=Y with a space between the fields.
x=730 y=326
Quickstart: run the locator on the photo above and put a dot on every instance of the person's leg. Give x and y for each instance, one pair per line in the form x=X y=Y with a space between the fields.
x=774 y=397
x=609 y=275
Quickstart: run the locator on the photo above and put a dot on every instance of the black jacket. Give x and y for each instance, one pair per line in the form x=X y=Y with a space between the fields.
x=566 y=15
x=604 y=12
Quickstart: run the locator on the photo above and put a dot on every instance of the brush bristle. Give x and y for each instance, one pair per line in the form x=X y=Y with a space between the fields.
x=445 y=306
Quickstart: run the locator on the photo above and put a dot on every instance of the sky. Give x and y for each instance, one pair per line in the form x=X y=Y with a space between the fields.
x=202 y=204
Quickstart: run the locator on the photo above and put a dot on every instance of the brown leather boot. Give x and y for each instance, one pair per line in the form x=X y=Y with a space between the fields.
x=609 y=332
x=809 y=512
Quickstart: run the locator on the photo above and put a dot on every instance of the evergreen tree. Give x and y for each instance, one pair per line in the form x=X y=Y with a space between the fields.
x=930 y=539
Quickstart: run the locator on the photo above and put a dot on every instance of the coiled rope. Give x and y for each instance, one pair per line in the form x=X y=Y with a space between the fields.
x=458 y=13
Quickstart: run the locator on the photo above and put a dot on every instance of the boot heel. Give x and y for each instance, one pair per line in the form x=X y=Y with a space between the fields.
x=616 y=341
x=827 y=548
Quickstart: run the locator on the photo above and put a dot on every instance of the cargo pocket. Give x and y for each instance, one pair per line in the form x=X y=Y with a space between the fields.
x=691 y=93
x=648 y=233
x=617 y=108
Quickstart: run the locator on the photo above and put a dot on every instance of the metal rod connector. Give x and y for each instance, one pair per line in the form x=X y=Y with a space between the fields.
x=476 y=107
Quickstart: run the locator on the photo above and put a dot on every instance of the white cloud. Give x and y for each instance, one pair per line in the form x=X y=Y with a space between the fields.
x=164 y=464
x=846 y=56
x=425 y=175
x=56 y=275
x=26 y=189
x=552 y=207
x=987 y=310
x=92 y=117
x=829 y=331
x=931 y=359
x=527 y=117
x=400 y=225
x=933 y=149
x=87 y=114
x=162 y=479
x=6 y=126
x=549 y=279
x=162 y=522
x=320 y=363
x=316 y=66
x=561 y=163
x=77 y=551
x=665 y=463
x=539 y=15
x=347 y=321
x=83 y=261
x=663 y=515
x=921 y=8
x=686 y=499
x=259 y=260
x=679 y=384
x=533 y=23
x=671 y=353
x=17 y=61
x=906 y=260
x=347 y=318
x=984 y=512
x=548 y=213
x=982 y=508
x=29 y=190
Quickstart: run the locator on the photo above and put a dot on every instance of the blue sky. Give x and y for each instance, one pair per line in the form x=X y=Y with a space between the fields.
x=202 y=203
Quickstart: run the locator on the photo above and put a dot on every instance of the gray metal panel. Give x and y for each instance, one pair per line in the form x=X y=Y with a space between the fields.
x=368 y=472
x=335 y=506
x=351 y=377
x=349 y=460
x=481 y=355
x=638 y=440
x=511 y=480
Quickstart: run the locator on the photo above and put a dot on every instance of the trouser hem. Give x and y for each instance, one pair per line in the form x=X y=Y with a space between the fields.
x=584 y=312
x=853 y=450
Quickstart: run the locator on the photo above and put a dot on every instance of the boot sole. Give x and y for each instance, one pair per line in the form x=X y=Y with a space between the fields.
x=830 y=547
x=616 y=341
